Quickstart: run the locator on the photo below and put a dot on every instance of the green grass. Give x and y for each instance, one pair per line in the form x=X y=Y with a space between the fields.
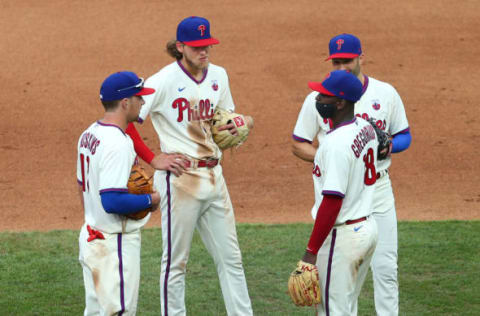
x=439 y=268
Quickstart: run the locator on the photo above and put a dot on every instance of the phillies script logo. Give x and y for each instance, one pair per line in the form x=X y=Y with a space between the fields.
x=204 y=111
x=339 y=44
x=202 y=29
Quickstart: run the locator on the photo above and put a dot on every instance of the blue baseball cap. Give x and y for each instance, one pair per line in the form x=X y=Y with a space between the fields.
x=195 y=31
x=123 y=84
x=344 y=46
x=341 y=84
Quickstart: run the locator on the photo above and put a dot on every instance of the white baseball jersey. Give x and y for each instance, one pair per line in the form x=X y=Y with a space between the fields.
x=345 y=165
x=379 y=101
x=182 y=107
x=105 y=159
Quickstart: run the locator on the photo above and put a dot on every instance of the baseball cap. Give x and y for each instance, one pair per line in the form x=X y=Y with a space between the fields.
x=344 y=46
x=123 y=84
x=195 y=31
x=339 y=83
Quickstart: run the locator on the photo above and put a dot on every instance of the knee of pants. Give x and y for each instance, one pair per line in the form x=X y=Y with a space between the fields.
x=175 y=266
x=232 y=259
x=385 y=256
x=385 y=269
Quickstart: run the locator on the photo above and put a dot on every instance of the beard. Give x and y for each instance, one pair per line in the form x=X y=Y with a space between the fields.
x=196 y=65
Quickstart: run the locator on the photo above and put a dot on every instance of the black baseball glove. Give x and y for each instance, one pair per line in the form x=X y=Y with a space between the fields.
x=384 y=141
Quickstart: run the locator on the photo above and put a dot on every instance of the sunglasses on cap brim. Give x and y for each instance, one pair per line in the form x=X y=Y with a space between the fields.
x=138 y=85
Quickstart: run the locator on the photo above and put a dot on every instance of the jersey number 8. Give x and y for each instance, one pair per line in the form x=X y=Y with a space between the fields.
x=370 y=171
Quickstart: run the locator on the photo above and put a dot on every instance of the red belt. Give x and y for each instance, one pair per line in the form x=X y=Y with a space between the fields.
x=209 y=163
x=354 y=221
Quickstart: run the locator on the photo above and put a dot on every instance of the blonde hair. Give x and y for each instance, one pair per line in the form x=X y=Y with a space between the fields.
x=173 y=51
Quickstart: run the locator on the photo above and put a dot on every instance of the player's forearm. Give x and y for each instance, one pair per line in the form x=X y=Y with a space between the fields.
x=401 y=141
x=326 y=217
x=141 y=148
x=125 y=203
x=304 y=150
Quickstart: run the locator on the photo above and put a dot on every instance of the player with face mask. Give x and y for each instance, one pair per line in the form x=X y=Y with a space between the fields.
x=379 y=101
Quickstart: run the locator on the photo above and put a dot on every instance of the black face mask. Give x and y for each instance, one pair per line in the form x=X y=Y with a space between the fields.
x=325 y=110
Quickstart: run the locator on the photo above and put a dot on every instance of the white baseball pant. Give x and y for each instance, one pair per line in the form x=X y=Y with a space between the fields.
x=199 y=199
x=111 y=272
x=343 y=262
x=384 y=262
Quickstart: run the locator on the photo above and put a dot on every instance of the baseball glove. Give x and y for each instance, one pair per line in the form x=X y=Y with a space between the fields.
x=384 y=141
x=303 y=285
x=225 y=139
x=139 y=183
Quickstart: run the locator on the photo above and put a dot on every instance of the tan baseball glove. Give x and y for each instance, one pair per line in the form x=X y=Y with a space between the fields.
x=303 y=285
x=225 y=139
x=139 y=183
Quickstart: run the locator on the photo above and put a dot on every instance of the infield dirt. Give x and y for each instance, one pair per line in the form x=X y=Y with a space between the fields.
x=55 y=54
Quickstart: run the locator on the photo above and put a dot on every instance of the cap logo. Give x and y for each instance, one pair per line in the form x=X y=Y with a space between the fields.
x=339 y=43
x=202 y=29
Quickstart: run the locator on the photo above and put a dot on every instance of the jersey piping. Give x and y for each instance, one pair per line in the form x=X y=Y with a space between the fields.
x=205 y=71
x=113 y=190
x=302 y=140
x=343 y=124
x=112 y=125
x=365 y=84
x=326 y=192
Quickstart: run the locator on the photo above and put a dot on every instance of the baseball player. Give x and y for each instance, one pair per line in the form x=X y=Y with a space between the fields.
x=344 y=235
x=109 y=242
x=187 y=93
x=381 y=102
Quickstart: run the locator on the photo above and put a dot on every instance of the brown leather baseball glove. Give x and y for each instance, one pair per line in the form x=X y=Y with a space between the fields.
x=139 y=183
x=224 y=139
x=303 y=285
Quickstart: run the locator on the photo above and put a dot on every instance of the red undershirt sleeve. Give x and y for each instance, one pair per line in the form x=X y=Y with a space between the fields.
x=326 y=216
x=141 y=149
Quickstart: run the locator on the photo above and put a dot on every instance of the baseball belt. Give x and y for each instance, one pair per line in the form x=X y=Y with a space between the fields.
x=352 y=221
x=203 y=163
x=382 y=173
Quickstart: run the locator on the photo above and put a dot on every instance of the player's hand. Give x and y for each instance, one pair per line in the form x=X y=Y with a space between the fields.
x=174 y=163
x=155 y=200
x=249 y=120
x=230 y=127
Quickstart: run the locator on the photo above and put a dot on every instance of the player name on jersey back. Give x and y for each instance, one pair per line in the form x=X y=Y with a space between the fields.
x=345 y=166
x=366 y=134
x=105 y=158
